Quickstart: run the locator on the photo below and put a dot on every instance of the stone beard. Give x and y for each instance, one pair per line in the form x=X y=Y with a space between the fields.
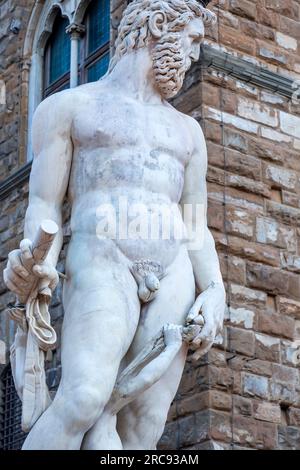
x=169 y=64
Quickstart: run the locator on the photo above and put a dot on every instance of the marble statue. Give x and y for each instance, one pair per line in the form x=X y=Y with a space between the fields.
x=134 y=303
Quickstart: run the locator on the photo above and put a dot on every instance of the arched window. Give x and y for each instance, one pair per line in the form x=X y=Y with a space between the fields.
x=94 y=54
x=70 y=46
x=93 y=59
x=57 y=59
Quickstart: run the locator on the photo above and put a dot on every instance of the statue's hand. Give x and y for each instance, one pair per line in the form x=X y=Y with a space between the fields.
x=22 y=272
x=172 y=334
x=208 y=310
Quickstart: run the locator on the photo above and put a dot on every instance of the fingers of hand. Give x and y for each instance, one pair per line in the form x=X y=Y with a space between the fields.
x=26 y=254
x=47 y=273
x=14 y=282
x=201 y=351
x=205 y=337
x=15 y=264
x=199 y=320
x=194 y=311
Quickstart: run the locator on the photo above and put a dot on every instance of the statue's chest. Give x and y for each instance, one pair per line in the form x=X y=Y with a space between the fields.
x=136 y=128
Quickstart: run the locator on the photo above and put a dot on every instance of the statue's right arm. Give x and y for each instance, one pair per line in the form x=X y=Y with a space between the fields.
x=52 y=149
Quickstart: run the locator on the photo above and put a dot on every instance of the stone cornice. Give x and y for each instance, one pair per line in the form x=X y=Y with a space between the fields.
x=232 y=66
x=15 y=180
x=246 y=71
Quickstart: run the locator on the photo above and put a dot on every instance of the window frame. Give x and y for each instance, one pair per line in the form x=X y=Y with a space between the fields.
x=86 y=59
x=58 y=84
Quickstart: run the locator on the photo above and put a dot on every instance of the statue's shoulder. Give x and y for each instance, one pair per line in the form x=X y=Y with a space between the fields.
x=58 y=107
x=196 y=132
x=66 y=103
x=193 y=124
x=194 y=127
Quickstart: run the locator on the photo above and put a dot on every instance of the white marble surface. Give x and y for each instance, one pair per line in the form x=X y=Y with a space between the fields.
x=98 y=144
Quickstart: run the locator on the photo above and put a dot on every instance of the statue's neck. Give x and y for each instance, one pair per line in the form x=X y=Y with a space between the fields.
x=133 y=74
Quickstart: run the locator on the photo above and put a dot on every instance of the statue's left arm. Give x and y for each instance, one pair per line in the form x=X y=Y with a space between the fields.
x=210 y=304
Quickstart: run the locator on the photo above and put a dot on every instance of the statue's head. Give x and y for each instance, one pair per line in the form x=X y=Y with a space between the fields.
x=172 y=30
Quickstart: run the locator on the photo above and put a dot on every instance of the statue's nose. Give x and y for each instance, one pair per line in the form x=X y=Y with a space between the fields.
x=195 y=54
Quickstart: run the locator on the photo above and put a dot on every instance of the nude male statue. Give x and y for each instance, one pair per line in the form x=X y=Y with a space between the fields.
x=96 y=143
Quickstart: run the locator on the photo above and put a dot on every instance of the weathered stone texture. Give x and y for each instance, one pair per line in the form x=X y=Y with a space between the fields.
x=245 y=393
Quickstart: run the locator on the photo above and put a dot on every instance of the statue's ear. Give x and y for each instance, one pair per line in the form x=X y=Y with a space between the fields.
x=157 y=23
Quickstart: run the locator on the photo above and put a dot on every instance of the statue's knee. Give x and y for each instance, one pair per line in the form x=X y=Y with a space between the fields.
x=84 y=404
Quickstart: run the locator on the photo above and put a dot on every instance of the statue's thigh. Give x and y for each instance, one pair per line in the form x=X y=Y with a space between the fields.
x=142 y=422
x=174 y=299
x=101 y=314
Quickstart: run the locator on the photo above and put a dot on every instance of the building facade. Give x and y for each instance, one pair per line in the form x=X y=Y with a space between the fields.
x=245 y=92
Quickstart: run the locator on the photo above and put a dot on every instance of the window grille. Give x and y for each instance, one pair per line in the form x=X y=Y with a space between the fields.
x=11 y=434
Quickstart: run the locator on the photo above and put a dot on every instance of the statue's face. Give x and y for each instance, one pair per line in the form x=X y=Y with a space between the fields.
x=173 y=55
x=192 y=36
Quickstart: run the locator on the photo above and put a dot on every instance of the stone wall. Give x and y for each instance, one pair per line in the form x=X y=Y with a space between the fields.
x=246 y=391
x=14 y=77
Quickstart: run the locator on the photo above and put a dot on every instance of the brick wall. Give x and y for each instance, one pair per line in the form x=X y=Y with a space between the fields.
x=246 y=391
x=265 y=30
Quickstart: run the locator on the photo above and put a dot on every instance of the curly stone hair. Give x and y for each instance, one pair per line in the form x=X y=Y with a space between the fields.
x=134 y=33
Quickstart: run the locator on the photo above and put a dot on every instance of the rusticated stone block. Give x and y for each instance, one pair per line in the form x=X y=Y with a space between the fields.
x=233 y=268
x=288 y=438
x=231 y=38
x=219 y=400
x=267 y=436
x=258 y=367
x=192 y=404
x=283 y=393
x=169 y=438
x=274 y=281
x=269 y=231
x=220 y=426
x=257 y=112
x=244 y=430
x=242 y=406
x=289 y=307
x=253 y=251
x=241 y=341
x=241 y=294
x=267 y=348
x=243 y=8
x=276 y=325
x=256 y=386
x=283 y=213
x=293 y=416
x=235 y=140
x=265 y=411
x=239 y=222
x=241 y=317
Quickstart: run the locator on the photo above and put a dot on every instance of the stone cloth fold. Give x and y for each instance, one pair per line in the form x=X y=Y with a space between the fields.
x=34 y=337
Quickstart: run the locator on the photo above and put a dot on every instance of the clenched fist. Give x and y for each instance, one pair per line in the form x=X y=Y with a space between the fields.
x=208 y=312
x=22 y=272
